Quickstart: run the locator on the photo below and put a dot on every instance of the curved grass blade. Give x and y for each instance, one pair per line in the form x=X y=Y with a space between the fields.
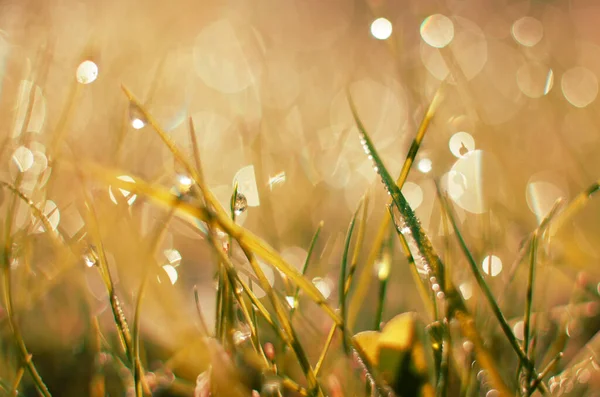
x=537 y=234
x=524 y=360
x=406 y=220
x=7 y=290
x=543 y=374
x=574 y=206
x=342 y=278
x=247 y=240
x=360 y=236
x=383 y=274
x=286 y=324
x=118 y=315
x=311 y=248
x=423 y=252
x=363 y=284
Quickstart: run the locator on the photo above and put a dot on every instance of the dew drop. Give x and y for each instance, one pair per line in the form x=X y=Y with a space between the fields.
x=90 y=257
x=241 y=204
x=23 y=158
x=125 y=193
x=184 y=184
x=240 y=336
x=291 y=301
x=87 y=72
x=136 y=117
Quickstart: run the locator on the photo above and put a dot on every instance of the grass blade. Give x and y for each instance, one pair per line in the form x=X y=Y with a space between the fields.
x=248 y=241
x=357 y=245
x=311 y=248
x=362 y=287
x=424 y=253
x=342 y=278
x=524 y=360
x=138 y=374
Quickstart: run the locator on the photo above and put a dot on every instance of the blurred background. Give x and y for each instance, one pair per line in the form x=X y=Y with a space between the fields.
x=264 y=82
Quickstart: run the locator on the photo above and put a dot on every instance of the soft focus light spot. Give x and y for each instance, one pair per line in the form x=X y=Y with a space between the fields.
x=324 y=285
x=40 y=163
x=455 y=184
x=541 y=196
x=579 y=86
x=519 y=330
x=491 y=265
x=125 y=193
x=424 y=165
x=492 y=393
x=383 y=269
x=474 y=181
x=50 y=211
x=437 y=30
x=276 y=179
x=246 y=180
x=535 y=79
x=171 y=272
x=23 y=158
x=87 y=72
x=291 y=301
x=381 y=28
x=173 y=257
x=527 y=31
x=137 y=123
x=573 y=328
x=413 y=194
x=466 y=289
x=461 y=143
x=469 y=49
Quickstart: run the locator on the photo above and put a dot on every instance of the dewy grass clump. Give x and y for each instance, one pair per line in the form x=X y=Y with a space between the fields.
x=130 y=268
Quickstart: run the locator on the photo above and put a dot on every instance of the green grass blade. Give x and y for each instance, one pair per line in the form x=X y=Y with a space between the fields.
x=506 y=329
x=281 y=314
x=360 y=236
x=365 y=277
x=311 y=248
x=342 y=278
x=423 y=252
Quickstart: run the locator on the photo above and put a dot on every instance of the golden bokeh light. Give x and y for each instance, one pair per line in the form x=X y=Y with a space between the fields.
x=437 y=30
x=87 y=72
x=579 y=86
x=527 y=31
x=491 y=265
x=381 y=28
x=121 y=116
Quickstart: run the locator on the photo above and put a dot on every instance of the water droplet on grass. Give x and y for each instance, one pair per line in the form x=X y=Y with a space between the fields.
x=241 y=204
x=136 y=117
x=87 y=72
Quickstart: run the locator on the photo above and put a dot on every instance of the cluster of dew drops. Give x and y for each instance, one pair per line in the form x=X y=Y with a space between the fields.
x=400 y=223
